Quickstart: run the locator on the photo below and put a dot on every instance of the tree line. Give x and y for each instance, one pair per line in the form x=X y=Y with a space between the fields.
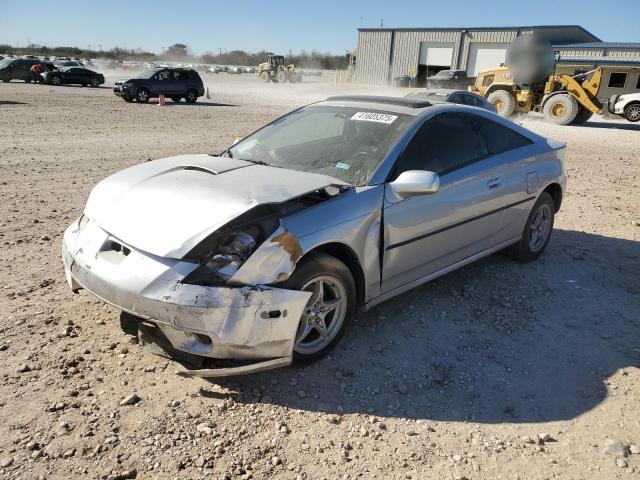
x=181 y=52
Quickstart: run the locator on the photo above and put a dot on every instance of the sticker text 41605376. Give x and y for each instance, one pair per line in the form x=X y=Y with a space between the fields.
x=374 y=117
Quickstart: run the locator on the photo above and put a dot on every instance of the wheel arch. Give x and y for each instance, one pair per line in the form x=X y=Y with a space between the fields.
x=555 y=190
x=346 y=255
x=494 y=87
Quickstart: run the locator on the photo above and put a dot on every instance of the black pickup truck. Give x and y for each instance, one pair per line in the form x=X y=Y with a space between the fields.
x=175 y=83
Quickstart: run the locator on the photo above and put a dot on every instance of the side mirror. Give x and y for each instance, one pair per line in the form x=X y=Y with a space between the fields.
x=415 y=182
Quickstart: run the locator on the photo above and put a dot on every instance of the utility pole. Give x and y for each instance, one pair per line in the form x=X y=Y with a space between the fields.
x=162 y=50
x=219 y=52
x=100 y=47
x=381 y=22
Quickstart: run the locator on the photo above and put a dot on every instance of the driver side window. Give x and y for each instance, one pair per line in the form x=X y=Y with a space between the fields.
x=164 y=75
x=444 y=143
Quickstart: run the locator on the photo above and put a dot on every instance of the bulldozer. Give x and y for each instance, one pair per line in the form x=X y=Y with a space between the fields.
x=529 y=83
x=274 y=70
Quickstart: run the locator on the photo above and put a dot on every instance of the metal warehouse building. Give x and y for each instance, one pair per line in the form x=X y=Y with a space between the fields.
x=386 y=53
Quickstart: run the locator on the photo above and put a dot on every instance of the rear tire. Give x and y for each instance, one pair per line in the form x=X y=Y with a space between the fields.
x=583 y=116
x=265 y=77
x=632 y=112
x=338 y=295
x=142 y=95
x=560 y=109
x=503 y=101
x=191 y=96
x=537 y=230
x=281 y=77
x=95 y=83
x=56 y=81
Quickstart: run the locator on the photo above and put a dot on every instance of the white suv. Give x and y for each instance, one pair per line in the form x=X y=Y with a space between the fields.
x=626 y=105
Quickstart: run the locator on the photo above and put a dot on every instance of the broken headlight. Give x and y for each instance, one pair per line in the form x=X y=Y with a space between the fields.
x=218 y=267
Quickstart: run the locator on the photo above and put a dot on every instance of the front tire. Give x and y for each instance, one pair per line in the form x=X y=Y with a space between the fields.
x=142 y=96
x=537 y=230
x=95 y=83
x=583 y=116
x=503 y=101
x=632 y=112
x=561 y=109
x=330 y=308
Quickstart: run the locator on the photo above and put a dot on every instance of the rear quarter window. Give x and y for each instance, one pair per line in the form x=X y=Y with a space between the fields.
x=500 y=138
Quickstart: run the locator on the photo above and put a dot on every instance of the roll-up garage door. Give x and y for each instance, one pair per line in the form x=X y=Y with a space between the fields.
x=433 y=55
x=483 y=56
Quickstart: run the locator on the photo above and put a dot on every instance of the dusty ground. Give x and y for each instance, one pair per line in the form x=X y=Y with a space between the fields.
x=442 y=382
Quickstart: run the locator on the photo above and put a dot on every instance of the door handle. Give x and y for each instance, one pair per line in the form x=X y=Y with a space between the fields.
x=493 y=183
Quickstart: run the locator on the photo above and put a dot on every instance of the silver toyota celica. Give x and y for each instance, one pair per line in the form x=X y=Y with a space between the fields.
x=265 y=253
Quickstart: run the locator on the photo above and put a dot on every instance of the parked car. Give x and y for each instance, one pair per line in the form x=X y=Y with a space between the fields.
x=17 y=69
x=627 y=105
x=455 y=96
x=266 y=252
x=69 y=63
x=450 y=79
x=175 y=83
x=73 y=75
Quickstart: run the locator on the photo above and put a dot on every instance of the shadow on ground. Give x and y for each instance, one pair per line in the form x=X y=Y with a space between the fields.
x=611 y=125
x=11 y=102
x=497 y=341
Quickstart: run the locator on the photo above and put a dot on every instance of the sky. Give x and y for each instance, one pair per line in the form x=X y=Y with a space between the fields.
x=283 y=25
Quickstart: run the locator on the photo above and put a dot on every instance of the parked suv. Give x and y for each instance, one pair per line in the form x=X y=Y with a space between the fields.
x=17 y=69
x=175 y=83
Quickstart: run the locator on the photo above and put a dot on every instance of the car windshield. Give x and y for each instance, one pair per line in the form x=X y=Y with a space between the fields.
x=444 y=74
x=343 y=142
x=148 y=73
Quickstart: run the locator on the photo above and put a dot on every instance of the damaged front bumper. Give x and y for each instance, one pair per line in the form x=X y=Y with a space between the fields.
x=240 y=323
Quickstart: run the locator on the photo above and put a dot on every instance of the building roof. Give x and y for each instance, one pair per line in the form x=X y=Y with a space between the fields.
x=598 y=59
x=601 y=45
x=590 y=37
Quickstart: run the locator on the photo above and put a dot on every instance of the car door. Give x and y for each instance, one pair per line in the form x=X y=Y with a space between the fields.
x=73 y=75
x=162 y=82
x=427 y=233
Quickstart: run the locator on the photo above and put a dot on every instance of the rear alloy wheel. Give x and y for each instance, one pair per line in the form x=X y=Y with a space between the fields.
x=503 y=101
x=95 y=83
x=330 y=308
x=561 y=109
x=142 y=96
x=191 y=96
x=537 y=230
x=632 y=112
x=55 y=80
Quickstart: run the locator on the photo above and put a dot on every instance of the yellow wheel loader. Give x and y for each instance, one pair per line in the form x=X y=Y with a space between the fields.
x=530 y=84
x=274 y=70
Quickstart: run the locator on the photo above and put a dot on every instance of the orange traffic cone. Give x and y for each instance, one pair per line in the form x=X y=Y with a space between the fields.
x=161 y=101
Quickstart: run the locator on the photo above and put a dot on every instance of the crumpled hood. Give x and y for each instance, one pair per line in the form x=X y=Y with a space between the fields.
x=166 y=207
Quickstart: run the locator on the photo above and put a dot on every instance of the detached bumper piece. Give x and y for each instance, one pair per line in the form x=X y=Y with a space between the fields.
x=256 y=323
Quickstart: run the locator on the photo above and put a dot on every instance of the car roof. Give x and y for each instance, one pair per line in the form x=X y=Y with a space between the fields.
x=410 y=106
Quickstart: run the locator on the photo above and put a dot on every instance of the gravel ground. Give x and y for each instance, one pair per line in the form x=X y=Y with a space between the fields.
x=497 y=371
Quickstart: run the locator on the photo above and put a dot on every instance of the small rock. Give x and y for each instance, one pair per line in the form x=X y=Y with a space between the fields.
x=457 y=457
x=69 y=453
x=275 y=461
x=621 y=462
x=130 y=400
x=403 y=389
x=200 y=461
x=615 y=447
x=634 y=449
x=24 y=368
x=6 y=462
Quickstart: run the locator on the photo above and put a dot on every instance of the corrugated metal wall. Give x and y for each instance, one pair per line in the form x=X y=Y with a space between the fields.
x=407 y=47
x=374 y=48
x=591 y=52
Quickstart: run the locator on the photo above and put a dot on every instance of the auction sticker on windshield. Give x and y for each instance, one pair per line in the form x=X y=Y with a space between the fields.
x=374 y=117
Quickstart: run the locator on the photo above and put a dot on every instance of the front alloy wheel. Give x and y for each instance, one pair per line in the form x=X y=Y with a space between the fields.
x=632 y=112
x=142 y=96
x=330 y=308
x=323 y=316
x=95 y=83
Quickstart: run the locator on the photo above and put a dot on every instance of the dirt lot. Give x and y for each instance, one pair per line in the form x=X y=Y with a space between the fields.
x=497 y=371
